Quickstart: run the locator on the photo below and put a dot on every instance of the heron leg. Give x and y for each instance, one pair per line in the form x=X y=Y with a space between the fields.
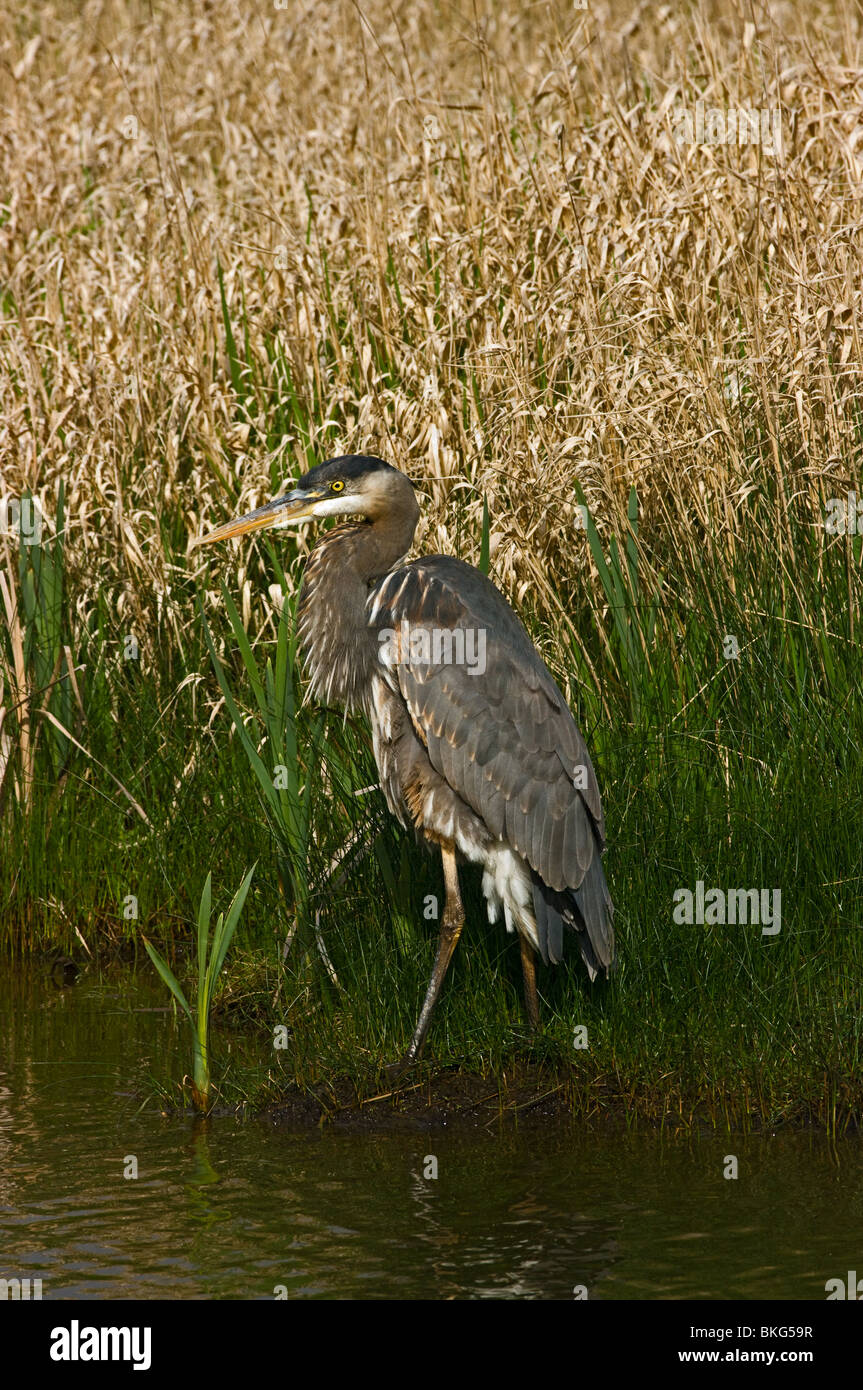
x=528 y=970
x=450 y=931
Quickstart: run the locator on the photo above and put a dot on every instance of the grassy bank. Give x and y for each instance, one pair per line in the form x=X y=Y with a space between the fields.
x=234 y=244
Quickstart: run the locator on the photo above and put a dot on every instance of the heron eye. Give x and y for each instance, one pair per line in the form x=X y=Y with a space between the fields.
x=337 y=487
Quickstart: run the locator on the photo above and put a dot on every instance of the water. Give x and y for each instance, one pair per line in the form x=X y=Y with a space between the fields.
x=237 y=1208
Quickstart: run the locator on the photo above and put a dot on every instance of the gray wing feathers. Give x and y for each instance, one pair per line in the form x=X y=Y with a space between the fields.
x=505 y=741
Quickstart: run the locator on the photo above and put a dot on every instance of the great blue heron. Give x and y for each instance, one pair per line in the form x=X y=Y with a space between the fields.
x=474 y=742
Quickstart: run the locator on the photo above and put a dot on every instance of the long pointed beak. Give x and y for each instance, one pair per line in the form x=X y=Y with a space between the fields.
x=283 y=511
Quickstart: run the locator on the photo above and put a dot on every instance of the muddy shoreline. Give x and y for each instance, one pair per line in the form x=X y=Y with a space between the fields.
x=523 y=1096
x=447 y=1098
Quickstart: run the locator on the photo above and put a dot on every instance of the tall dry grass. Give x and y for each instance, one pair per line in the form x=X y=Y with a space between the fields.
x=461 y=236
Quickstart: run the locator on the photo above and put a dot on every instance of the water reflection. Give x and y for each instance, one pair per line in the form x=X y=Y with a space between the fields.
x=201 y=1208
x=231 y=1210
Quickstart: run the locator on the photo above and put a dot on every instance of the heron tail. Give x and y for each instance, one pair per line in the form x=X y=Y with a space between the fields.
x=587 y=910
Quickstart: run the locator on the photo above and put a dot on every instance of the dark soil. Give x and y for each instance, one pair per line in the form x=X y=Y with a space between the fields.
x=528 y=1094
x=522 y=1095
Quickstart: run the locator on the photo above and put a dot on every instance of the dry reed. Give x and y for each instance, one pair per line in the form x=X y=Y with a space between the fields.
x=464 y=237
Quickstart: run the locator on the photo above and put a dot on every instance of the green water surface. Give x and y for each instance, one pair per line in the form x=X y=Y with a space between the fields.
x=241 y=1208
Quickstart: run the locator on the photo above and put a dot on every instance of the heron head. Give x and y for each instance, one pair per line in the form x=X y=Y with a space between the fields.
x=355 y=485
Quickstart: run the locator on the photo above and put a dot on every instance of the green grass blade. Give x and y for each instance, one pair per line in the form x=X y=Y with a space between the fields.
x=256 y=762
x=484 y=553
x=204 y=928
x=169 y=978
x=223 y=935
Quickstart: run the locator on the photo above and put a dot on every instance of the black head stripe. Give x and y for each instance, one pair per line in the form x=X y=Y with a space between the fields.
x=349 y=469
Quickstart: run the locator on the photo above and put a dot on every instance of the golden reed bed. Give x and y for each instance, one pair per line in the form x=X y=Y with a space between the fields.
x=503 y=245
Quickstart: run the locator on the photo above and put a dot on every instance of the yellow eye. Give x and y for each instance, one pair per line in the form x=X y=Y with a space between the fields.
x=337 y=487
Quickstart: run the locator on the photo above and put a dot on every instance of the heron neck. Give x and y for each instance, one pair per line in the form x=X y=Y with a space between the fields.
x=339 y=647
